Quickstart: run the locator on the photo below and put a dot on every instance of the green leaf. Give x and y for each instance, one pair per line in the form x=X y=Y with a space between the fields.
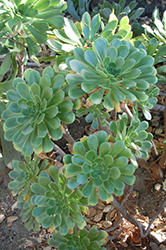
x=72 y=183
x=79 y=148
x=23 y=90
x=65 y=106
x=72 y=169
x=93 y=197
x=82 y=178
x=92 y=142
x=37 y=188
x=87 y=189
x=114 y=172
x=40 y=37
x=76 y=92
x=71 y=31
x=102 y=193
x=100 y=47
x=38 y=211
x=33 y=48
x=127 y=170
x=104 y=149
x=152 y=45
x=74 y=80
x=6 y=64
x=97 y=97
x=95 y=24
x=57 y=220
x=67 y=117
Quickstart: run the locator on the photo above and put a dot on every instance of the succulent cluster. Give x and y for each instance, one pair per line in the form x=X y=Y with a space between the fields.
x=87 y=31
x=35 y=110
x=95 y=114
x=24 y=174
x=28 y=22
x=56 y=205
x=111 y=73
x=133 y=135
x=119 y=9
x=98 y=164
x=84 y=241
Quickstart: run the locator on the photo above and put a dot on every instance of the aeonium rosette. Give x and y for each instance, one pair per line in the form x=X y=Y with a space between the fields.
x=36 y=106
x=98 y=166
x=111 y=73
x=82 y=240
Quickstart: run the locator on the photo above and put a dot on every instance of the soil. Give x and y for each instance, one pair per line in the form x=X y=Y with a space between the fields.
x=145 y=200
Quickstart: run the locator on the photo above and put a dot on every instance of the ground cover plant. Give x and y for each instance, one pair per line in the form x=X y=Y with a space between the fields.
x=99 y=67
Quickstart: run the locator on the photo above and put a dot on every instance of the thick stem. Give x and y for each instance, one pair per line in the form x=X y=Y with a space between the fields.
x=143 y=231
x=58 y=149
x=67 y=136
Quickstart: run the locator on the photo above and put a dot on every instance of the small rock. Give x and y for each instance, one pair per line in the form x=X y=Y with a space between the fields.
x=157 y=186
x=14 y=206
x=158 y=131
x=2 y=217
x=153 y=246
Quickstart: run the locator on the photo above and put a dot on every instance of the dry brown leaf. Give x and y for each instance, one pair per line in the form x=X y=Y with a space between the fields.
x=111 y=215
x=91 y=212
x=107 y=224
x=98 y=217
x=12 y=219
x=108 y=208
x=100 y=205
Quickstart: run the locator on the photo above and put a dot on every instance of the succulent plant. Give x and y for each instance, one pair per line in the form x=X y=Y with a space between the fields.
x=29 y=220
x=98 y=164
x=96 y=114
x=84 y=241
x=154 y=39
x=24 y=174
x=87 y=31
x=56 y=204
x=35 y=110
x=111 y=73
x=105 y=9
x=24 y=24
x=77 y=8
x=133 y=135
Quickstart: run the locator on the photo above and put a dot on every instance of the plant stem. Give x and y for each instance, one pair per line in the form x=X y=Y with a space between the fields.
x=143 y=232
x=67 y=136
x=58 y=149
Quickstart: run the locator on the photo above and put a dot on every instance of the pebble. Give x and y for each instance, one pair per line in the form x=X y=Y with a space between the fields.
x=2 y=217
x=153 y=246
x=157 y=186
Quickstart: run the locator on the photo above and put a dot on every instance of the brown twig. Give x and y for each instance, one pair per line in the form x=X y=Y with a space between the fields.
x=142 y=163
x=115 y=236
x=114 y=227
x=67 y=136
x=58 y=149
x=143 y=231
